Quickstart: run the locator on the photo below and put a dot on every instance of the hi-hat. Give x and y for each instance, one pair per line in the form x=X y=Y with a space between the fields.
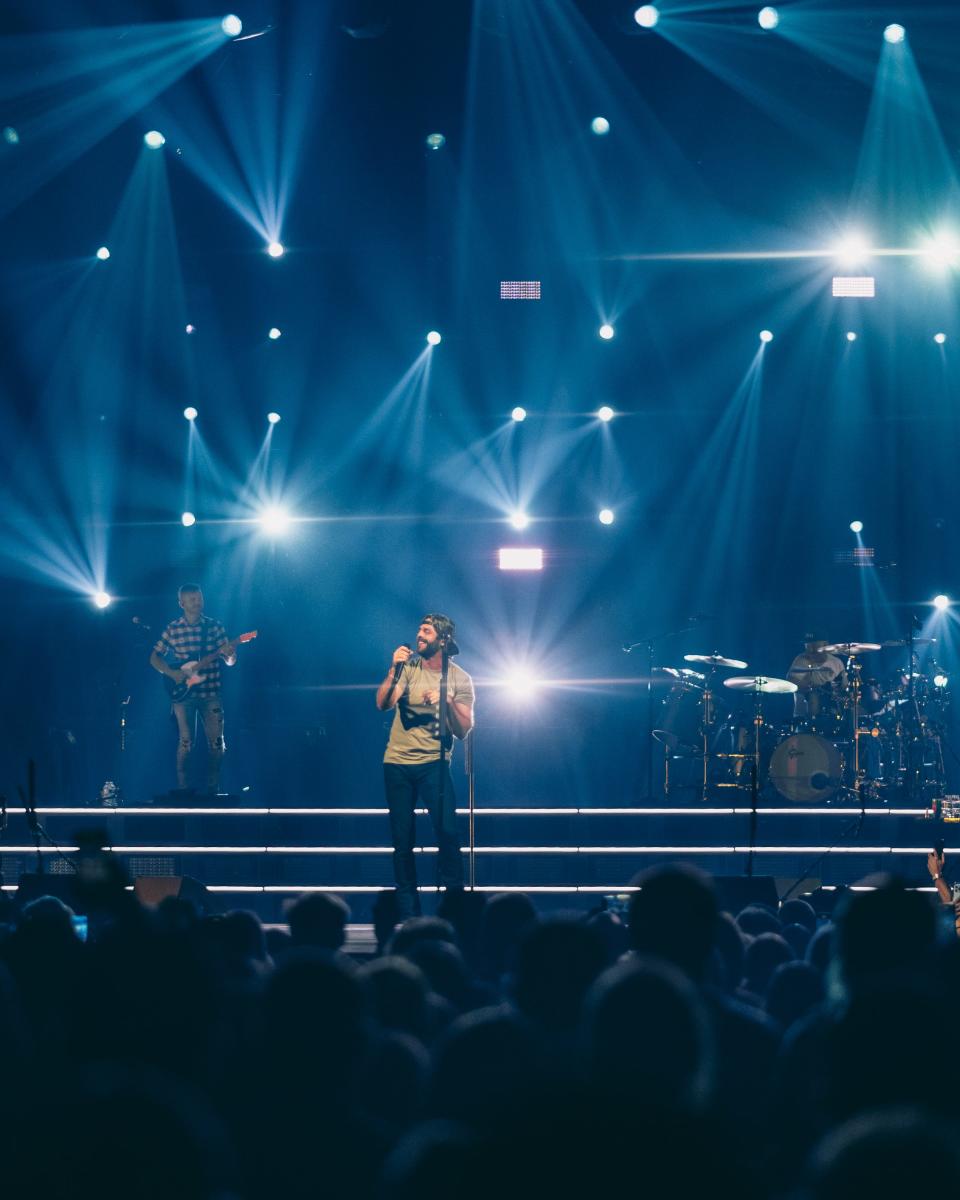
x=684 y=673
x=716 y=660
x=760 y=683
x=851 y=648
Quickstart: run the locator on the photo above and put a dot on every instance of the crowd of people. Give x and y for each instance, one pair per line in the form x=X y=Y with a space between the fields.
x=487 y=1051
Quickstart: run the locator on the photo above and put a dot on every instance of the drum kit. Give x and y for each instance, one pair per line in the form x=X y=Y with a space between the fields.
x=853 y=739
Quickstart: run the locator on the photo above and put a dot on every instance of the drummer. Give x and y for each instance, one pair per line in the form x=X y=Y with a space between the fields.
x=818 y=676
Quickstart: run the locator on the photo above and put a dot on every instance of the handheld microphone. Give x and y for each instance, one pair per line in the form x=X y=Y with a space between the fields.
x=398 y=667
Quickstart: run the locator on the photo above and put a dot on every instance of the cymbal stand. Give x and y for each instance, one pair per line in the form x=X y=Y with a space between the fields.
x=853 y=669
x=755 y=778
x=707 y=718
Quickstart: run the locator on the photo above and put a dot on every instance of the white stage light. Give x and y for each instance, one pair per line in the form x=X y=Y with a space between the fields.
x=768 y=18
x=647 y=15
x=273 y=417
x=939 y=680
x=856 y=526
x=942 y=250
x=941 y=603
x=600 y=126
x=519 y=414
x=189 y=328
x=231 y=25
x=274 y=519
x=102 y=599
x=766 y=335
x=273 y=334
x=188 y=519
x=894 y=34
x=435 y=140
x=275 y=249
x=852 y=249
x=434 y=338
x=154 y=139
x=190 y=413
x=103 y=254
x=521 y=558
x=851 y=336
x=605 y=413
x=520 y=684
x=519 y=520
x=605 y=516
x=939 y=338
x=606 y=332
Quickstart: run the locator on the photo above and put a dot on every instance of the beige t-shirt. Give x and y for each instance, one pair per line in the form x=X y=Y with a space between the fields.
x=415 y=732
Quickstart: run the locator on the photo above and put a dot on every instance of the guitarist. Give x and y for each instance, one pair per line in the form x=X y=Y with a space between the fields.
x=188 y=639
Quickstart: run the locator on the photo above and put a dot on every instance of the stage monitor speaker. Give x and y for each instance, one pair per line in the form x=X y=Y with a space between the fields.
x=154 y=889
x=735 y=892
x=32 y=886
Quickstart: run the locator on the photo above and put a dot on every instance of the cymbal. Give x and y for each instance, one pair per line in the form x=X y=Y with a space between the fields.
x=851 y=648
x=685 y=673
x=898 y=642
x=716 y=660
x=760 y=683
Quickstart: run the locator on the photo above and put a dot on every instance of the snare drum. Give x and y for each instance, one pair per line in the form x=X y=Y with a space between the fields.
x=805 y=767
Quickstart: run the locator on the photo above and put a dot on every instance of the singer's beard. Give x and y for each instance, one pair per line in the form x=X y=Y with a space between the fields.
x=427 y=649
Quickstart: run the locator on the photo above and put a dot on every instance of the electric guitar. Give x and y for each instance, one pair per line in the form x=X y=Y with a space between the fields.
x=179 y=689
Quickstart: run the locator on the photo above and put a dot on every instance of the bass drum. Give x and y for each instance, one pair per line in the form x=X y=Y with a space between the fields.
x=805 y=767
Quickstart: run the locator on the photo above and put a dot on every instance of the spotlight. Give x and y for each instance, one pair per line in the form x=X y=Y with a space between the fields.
x=894 y=34
x=433 y=338
x=102 y=599
x=190 y=413
x=273 y=417
x=10 y=135
x=941 y=603
x=519 y=414
x=851 y=336
x=768 y=18
x=275 y=249
x=103 y=254
x=188 y=519
x=940 y=680
x=435 y=140
x=273 y=334
x=605 y=413
x=274 y=519
x=231 y=25
x=939 y=338
x=852 y=249
x=189 y=329
x=521 y=558
x=856 y=527
x=154 y=139
x=606 y=332
x=647 y=15
x=519 y=520
x=520 y=684
x=605 y=516
x=766 y=335
x=942 y=250
x=600 y=126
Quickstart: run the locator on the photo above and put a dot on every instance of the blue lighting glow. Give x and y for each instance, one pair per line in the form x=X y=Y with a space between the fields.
x=435 y=140
x=519 y=520
x=274 y=519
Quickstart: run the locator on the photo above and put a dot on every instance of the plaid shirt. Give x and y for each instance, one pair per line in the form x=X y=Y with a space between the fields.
x=182 y=642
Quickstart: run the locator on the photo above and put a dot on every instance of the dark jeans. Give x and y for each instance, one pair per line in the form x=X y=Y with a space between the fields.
x=409 y=786
x=209 y=709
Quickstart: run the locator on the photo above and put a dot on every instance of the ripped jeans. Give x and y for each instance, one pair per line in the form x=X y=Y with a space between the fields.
x=210 y=711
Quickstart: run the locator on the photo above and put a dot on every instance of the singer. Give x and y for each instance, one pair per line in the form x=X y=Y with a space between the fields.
x=415 y=768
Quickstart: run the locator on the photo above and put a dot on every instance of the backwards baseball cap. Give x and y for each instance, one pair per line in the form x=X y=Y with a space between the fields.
x=445 y=631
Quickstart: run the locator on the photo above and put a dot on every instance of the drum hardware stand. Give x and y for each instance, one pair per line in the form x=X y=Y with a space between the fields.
x=649 y=644
x=471 y=812
x=754 y=796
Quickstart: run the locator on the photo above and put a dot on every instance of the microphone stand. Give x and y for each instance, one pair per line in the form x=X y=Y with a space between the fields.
x=471 y=809
x=33 y=821
x=648 y=644
x=442 y=734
